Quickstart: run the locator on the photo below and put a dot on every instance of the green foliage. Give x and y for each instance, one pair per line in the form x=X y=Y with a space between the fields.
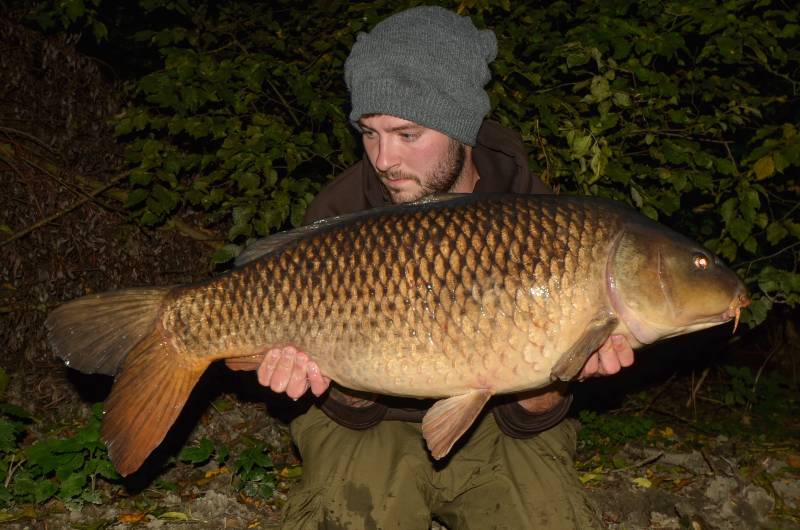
x=197 y=454
x=240 y=123
x=71 y=15
x=764 y=393
x=63 y=467
x=252 y=467
x=687 y=110
x=255 y=470
x=602 y=431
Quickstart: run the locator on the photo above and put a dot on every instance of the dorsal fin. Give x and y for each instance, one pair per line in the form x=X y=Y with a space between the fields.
x=275 y=242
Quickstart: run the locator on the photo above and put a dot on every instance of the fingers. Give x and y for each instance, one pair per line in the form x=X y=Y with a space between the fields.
x=614 y=355
x=267 y=367
x=319 y=383
x=291 y=371
x=298 y=382
x=623 y=349
x=609 y=362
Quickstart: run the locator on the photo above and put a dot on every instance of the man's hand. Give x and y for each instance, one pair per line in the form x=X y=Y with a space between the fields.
x=291 y=371
x=614 y=355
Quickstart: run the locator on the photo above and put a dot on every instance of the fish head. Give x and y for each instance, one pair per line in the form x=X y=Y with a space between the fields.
x=662 y=284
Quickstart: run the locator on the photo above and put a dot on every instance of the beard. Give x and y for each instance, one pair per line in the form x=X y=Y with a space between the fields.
x=440 y=179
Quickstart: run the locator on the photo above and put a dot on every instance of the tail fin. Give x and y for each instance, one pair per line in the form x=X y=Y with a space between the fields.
x=116 y=333
x=94 y=334
x=146 y=398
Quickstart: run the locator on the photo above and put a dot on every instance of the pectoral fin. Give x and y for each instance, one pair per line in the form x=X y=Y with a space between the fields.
x=571 y=361
x=448 y=419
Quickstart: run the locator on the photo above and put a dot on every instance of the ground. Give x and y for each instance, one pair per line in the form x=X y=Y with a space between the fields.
x=651 y=461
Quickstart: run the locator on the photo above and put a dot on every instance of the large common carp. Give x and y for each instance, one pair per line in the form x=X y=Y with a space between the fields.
x=457 y=298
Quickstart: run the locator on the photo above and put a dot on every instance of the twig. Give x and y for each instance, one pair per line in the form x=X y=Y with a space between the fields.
x=77 y=190
x=648 y=460
x=673 y=415
x=660 y=391
x=208 y=239
x=763 y=365
x=708 y=461
x=42 y=143
x=285 y=103
x=762 y=258
x=696 y=387
x=77 y=204
x=540 y=141
x=12 y=468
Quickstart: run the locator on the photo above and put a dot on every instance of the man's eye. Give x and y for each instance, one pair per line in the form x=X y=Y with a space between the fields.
x=409 y=136
x=367 y=134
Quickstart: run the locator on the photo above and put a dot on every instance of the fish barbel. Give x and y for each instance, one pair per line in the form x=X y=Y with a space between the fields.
x=457 y=298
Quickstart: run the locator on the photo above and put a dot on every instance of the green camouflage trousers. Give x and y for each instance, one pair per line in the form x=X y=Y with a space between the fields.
x=383 y=478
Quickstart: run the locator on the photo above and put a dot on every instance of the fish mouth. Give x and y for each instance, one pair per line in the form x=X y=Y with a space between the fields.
x=734 y=311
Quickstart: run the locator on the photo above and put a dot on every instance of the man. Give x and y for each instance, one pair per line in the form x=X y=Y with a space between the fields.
x=416 y=83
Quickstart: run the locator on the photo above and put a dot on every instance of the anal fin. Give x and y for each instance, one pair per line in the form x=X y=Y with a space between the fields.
x=571 y=361
x=448 y=419
x=146 y=399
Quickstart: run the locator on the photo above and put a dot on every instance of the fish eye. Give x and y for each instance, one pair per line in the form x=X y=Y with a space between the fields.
x=701 y=262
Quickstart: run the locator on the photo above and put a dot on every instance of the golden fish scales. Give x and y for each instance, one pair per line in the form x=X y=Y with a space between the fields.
x=429 y=304
x=457 y=298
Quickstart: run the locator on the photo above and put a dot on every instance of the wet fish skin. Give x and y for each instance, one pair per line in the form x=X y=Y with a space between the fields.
x=460 y=298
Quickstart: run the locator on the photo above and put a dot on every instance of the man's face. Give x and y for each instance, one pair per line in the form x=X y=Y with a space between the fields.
x=412 y=161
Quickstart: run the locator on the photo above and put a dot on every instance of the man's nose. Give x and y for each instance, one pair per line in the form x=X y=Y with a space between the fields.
x=387 y=156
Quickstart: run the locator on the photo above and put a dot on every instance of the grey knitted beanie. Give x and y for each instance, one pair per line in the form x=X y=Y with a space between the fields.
x=427 y=65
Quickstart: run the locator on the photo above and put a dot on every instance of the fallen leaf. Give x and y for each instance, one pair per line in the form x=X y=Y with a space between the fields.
x=174 y=516
x=793 y=461
x=588 y=477
x=214 y=472
x=642 y=482
x=130 y=518
x=291 y=472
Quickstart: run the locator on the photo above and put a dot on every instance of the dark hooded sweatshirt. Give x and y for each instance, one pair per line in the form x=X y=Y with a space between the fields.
x=502 y=165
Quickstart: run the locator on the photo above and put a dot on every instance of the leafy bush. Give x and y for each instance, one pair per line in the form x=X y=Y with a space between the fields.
x=687 y=110
x=63 y=467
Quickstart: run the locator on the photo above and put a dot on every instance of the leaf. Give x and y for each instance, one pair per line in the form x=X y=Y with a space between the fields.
x=739 y=229
x=73 y=485
x=226 y=253
x=776 y=232
x=764 y=167
x=728 y=208
x=136 y=197
x=43 y=490
x=622 y=99
x=292 y=472
x=580 y=145
x=199 y=453
x=642 y=482
x=600 y=89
